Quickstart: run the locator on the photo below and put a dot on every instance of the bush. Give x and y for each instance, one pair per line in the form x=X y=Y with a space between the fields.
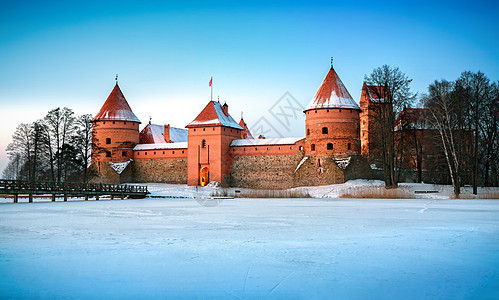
x=263 y=194
x=378 y=193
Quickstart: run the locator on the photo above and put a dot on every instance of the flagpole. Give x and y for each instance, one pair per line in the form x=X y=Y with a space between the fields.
x=211 y=85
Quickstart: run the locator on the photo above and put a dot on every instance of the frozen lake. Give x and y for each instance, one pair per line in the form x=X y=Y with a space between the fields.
x=251 y=248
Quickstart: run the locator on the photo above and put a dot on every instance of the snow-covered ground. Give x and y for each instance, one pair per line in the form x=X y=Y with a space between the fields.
x=250 y=248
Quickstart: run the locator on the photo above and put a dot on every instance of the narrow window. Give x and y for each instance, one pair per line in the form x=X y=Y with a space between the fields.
x=104 y=122
x=213 y=128
x=340 y=110
x=194 y=129
x=301 y=148
x=123 y=154
x=268 y=148
x=124 y=123
x=113 y=122
x=291 y=148
x=328 y=110
x=203 y=144
x=163 y=152
x=108 y=141
x=308 y=131
x=182 y=151
x=256 y=149
x=145 y=153
x=312 y=147
x=204 y=129
x=324 y=130
x=279 y=148
x=108 y=154
x=154 y=153
x=329 y=146
x=349 y=146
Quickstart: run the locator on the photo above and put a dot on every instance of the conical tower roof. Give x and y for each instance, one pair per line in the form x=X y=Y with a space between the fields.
x=332 y=94
x=116 y=108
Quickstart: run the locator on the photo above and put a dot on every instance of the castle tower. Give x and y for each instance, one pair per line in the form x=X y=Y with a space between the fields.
x=209 y=138
x=245 y=133
x=332 y=120
x=371 y=101
x=115 y=130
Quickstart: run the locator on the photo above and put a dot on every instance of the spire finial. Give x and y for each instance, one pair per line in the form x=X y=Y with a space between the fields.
x=331 y=62
x=241 y=114
x=116 y=79
x=218 y=98
x=150 y=119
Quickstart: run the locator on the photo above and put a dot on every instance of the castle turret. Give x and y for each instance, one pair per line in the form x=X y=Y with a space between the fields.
x=115 y=130
x=209 y=138
x=332 y=120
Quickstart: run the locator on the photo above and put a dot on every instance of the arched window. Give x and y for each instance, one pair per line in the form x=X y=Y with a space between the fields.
x=203 y=144
x=312 y=147
x=324 y=130
x=329 y=146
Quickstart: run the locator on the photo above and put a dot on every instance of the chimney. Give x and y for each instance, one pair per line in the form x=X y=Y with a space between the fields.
x=225 y=109
x=167 y=133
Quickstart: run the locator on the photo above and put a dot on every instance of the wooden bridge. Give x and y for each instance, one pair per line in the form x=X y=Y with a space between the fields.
x=65 y=189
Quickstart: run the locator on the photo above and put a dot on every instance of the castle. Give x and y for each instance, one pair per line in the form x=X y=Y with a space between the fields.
x=214 y=147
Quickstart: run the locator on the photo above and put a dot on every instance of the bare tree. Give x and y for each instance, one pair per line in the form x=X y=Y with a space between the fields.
x=21 y=148
x=444 y=108
x=392 y=89
x=60 y=127
x=82 y=141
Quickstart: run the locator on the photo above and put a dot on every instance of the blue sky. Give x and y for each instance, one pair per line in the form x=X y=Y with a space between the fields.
x=67 y=53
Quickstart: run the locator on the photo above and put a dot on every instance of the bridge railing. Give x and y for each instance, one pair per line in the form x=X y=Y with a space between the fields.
x=67 y=187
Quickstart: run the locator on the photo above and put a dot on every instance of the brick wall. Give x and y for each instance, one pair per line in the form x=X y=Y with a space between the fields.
x=278 y=172
x=160 y=170
x=318 y=170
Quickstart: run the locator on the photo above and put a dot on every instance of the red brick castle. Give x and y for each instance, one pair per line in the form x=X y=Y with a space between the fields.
x=214 y=147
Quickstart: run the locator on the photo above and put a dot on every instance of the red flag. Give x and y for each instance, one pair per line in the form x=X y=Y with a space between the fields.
x=211 y=80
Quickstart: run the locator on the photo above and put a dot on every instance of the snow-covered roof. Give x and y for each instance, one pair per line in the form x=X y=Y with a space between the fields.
x=119 y=167
x=332 y=94
x=265 y=142
x=213 y=115
x=178 y=135
x=154 y=134
x=116 y=108
x=376 y=93
x=158 y=146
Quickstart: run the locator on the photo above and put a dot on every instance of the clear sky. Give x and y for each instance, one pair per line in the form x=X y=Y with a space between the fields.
x=55 y=54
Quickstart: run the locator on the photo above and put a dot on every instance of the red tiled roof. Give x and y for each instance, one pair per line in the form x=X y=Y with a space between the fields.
x=332 y=94
x=116 y=108
x=213 y=115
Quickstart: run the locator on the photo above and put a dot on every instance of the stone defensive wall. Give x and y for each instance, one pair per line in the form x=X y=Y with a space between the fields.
x=172 y=170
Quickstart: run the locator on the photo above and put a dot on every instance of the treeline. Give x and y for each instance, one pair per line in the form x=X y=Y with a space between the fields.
x=465 y=112
x=460 y=119
x=55 y=148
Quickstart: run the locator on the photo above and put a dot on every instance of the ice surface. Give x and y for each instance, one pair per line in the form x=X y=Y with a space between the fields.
x=251 y=248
